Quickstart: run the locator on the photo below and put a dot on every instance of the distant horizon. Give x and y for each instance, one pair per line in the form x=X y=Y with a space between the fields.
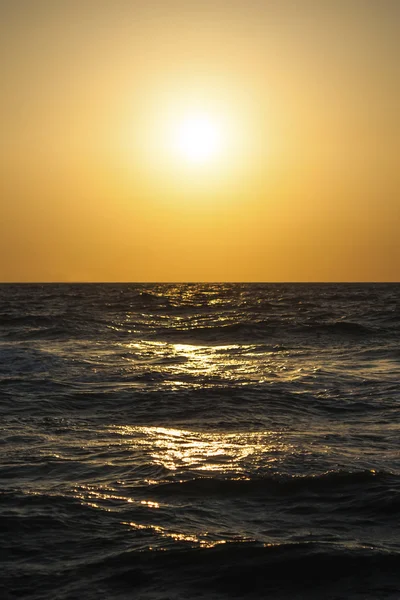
x=199 y=282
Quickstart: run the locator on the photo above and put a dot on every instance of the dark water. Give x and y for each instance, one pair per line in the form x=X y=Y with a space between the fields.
x=200 y=441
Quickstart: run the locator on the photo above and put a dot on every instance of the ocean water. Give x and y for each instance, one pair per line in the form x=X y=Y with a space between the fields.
x=209 y=441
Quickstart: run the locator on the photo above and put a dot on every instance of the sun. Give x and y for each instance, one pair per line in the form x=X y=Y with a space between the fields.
x=198 y=138
x=189 y=141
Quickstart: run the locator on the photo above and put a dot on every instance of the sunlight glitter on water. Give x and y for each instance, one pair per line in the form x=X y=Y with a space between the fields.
x=188 y=363
x=177 y=449
x=176 y=536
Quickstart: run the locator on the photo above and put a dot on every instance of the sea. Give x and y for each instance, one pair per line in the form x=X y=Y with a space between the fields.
x=206 y=441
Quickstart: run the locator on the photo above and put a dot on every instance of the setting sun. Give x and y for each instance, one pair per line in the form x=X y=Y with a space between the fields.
x=198 y=138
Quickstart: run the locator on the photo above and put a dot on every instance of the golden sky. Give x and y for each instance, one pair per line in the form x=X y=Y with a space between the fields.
x=289 y=170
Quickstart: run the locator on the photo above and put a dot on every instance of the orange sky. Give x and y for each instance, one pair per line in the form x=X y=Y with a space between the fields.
x=306 y=185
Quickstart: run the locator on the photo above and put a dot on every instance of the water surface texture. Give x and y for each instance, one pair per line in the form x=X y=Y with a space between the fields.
x=200 y=441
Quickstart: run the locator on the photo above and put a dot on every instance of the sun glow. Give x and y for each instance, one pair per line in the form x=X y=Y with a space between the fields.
x=196 y=144
x=198 y=138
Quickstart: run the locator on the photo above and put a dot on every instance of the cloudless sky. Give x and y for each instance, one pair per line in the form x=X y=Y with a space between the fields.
x=306 y=95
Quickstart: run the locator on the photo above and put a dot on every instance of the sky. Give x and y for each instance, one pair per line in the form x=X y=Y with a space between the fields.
x=179 y=140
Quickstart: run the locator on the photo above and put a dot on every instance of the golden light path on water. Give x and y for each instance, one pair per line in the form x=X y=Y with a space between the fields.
x=242 y=363
x=185 y=454
x=147 y=457
x=179 y=449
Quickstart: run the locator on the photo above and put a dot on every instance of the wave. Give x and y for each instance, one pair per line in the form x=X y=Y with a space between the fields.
x=223 y=325
x=244 y=330
x=250 y=570
x=266 y=330
x=241 y=570
x=32 y=320
x=345 y=328
x=306 y=561
x=326 y=483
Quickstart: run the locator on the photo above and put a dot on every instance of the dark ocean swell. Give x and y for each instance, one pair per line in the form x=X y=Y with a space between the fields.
x=230 y=570
x=211 y=441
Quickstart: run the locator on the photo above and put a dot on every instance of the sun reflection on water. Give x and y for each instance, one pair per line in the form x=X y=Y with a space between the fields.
x=176 y=536
x=225 y=452
x=189 y=364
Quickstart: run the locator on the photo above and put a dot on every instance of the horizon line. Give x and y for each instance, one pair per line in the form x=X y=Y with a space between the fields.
x=208 y=282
